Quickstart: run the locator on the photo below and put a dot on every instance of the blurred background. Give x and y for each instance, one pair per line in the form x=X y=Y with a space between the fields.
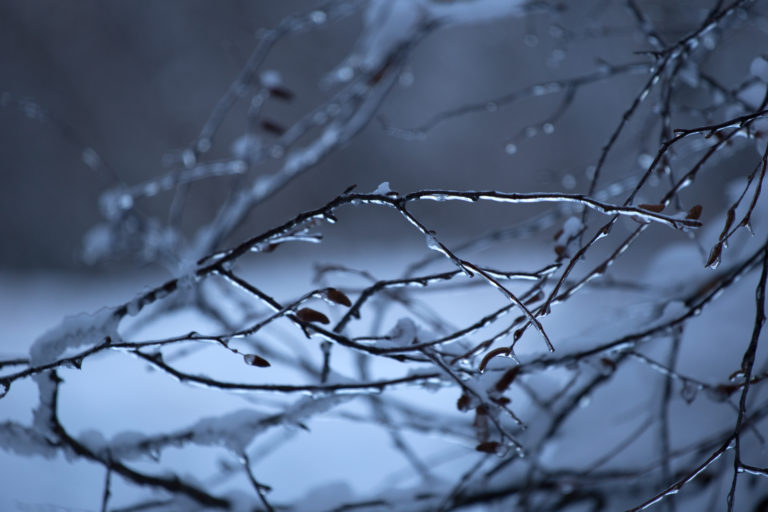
x=98 y=94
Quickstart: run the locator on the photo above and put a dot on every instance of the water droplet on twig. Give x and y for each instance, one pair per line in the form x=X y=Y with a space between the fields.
x=689 y=391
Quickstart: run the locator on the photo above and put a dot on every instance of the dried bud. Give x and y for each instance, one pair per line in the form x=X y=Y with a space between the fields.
x=609 y=363
x=507 y=379
x=714 y=255
x=488 y=447
x=694 y=213
x=281 y=93
x=656 y=208
x=254 y=360
x=272 y=127
x=338 y=297
x=311 y=315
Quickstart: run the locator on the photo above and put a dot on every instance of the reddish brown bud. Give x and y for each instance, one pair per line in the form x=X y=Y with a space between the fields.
x=311 y=315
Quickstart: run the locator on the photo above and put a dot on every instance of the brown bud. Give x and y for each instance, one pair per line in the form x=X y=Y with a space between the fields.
x=254 y=360
x=656 y=208
x=694 y=213
x=487 y=447
x=338 y=297
x=462 y=403
x=272 y=127
x=311 y=315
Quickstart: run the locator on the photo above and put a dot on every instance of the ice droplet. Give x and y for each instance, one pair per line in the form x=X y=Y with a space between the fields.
x=247 y=146
x=203 y=145
x=318 y=17
x=345 y=74
x=125 y=201
x=644 y=160
x=32 y=111
x=530 y=40
x=91 y=158
x=737 y=376
x=406 y=79
x=271 y=78
x=568 y=181
x=320 y=117
x=432 y=241
x=714 y=256
x=154 y=453
x=556 y=57
x=188 y=158
x=685 y=183
x=556 y=31
x=615 y=189
x=709 y=42
x=689 y=391
x=510 y=149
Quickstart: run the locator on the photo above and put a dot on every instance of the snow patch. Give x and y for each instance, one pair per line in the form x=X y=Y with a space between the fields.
x=382 y=189
x=24 y=441
x=83 y=330
x=237 y=429
x=389 y=24
x=326 y=496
